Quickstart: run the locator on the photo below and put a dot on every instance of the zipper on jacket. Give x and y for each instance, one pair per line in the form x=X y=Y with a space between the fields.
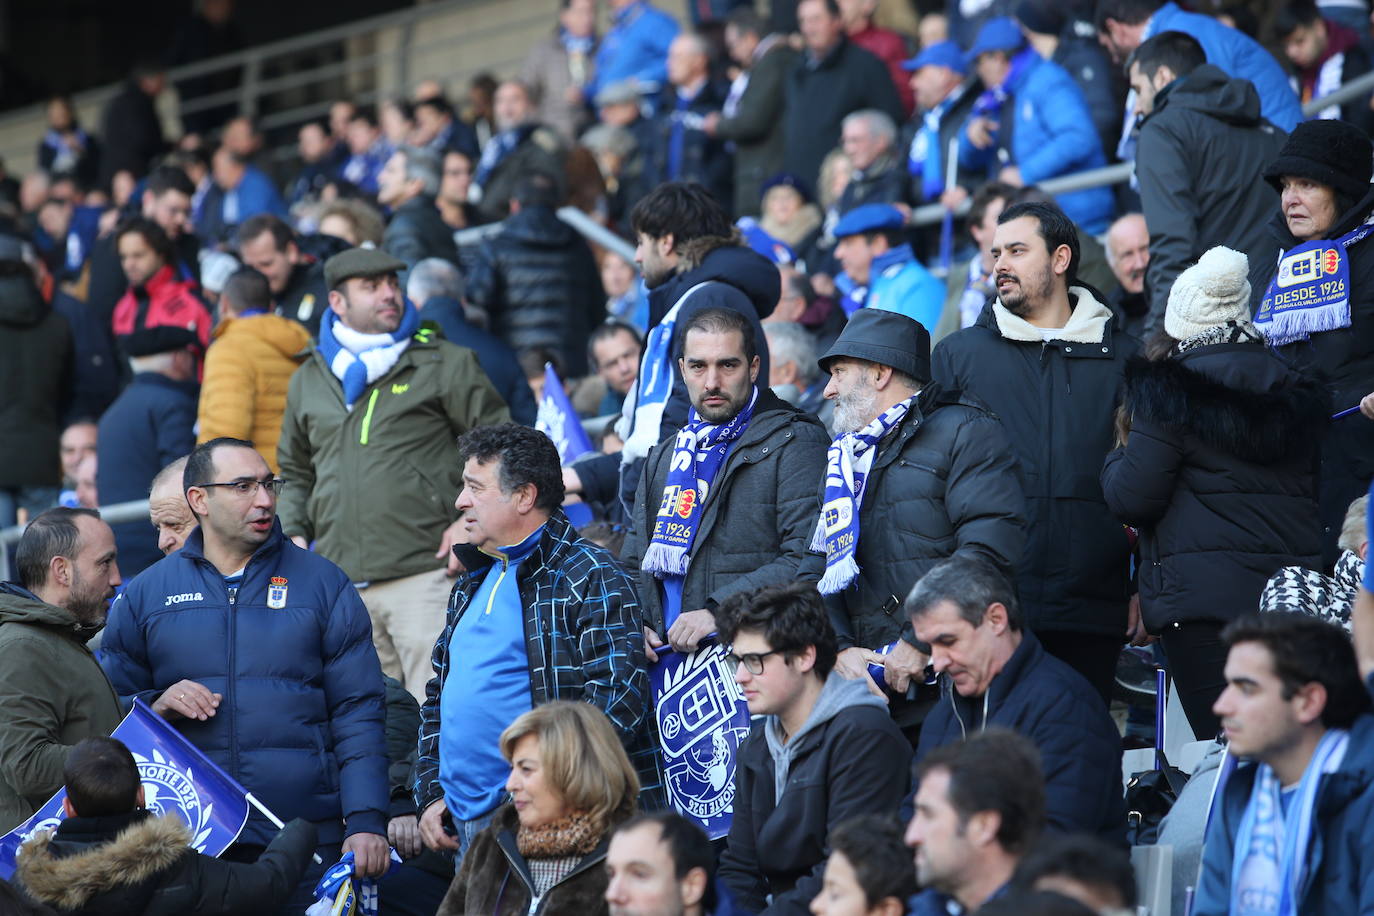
x=367 y=417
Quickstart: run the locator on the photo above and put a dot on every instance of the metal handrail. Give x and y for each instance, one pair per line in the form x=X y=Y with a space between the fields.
x=133 y=511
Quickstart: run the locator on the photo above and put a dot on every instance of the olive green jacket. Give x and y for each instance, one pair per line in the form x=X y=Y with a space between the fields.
x=374 y=487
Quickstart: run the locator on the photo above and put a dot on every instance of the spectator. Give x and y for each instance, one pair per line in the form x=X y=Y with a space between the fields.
x=1037 y=903
x=1322 y=175
x=1051 y=128
x=167 y=509
x=352 y=221
x=944 y=100
x=868 y=871
x=36 y=373
x=570 y=785
x=752 y=116
x=76 y=444
x=660 y=863
x=408 y=186
x=614 y=350
x=627 y=299
x=1050 y=29
x=295 y=279
x=438 y=286
x=963 y=310
x=157 y=299
x=240 y=191
x=1295 y=712
x=241 y=137
x=1096 y=874
x=886 y=45
x=1326 y=55
x=558 y=69
x=437 y=130
x=688 y=151
x=209 y=32
x=396 y=118
x=414 y=394
x=1223 y=493
x=1202 y=147
x=321 y=161
x=635 y=48
x=822 y=748
x=764 y=505
x=1124 y=25
x=834 y=78
x=567 y=628
x=1307 y=591
x=996 y=673
x=86 y=495
x=869 y=139
x=520 y=147
x=310 y=666
x=1128 y=255
x=960 y=498
x=1045 y=359
x=368 y=152
x=248 y=367
x=52 y=691
x=454 y=185
x=477 y=112
x=794 y=375
x=111 y=854
x=881 y=266
x=790 y=229
x=130 y=129
x=66 y=149
x=979 y=808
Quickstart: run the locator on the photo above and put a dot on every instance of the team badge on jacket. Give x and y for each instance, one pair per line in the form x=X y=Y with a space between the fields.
x=276 y=593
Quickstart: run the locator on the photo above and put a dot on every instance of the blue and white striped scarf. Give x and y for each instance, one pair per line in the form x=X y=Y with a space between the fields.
x=359 y=359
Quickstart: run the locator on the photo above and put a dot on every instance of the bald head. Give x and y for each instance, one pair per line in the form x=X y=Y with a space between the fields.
x=167 y=508
x=1128 y=251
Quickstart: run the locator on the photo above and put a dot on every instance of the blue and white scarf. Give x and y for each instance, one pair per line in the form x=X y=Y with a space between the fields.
x=925 y=159
x=1310 y=291
x=846 y=471
x=1269 y=868
x=576 y=44
x=698 y=454
x=989 y=104
x=497 y=149
x=359 y=359
x=65 y=158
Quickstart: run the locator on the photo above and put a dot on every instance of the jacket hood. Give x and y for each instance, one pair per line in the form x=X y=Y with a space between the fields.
x=1087 y=322
x=1241 y=399
x=69 y=882
x=728 y=260
x=538 y=226
x=1209 y=90
x=19 y=605
x=287 y=337
x=21 y=304
x=838 y=694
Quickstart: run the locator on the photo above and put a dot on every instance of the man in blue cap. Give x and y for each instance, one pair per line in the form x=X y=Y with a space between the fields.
x=881 y=269
x=1032 y=123
x=944 y=99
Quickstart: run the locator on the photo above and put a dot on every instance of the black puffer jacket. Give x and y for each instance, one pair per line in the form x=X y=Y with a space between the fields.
x=1219 y=474
x=538 y=281
x=1057 y=400
x=35 y=374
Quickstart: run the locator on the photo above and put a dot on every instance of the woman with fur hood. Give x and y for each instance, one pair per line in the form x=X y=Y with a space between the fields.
x=1217 y=467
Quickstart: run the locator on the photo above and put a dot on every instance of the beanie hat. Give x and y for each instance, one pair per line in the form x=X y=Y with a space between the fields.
x=1211 y=293
x=1331 y=152
x=1041 y=17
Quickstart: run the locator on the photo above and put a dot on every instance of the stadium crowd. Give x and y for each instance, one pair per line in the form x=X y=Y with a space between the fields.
x=935 y=497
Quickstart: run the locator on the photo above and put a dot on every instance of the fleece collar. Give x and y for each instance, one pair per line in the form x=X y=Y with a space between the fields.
x=1087 y=322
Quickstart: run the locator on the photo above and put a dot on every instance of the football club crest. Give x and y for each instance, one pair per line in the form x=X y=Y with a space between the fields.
x=276 y=593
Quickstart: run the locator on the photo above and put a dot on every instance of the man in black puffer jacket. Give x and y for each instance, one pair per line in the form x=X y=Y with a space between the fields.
x=112 y=857
x=537 y=279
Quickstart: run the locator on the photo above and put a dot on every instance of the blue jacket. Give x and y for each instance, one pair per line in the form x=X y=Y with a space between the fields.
x=636 y=48
x=301 y=724
x=1340 y=860
x=1038 y=696
x=900 y=284
x=1052 y=134
x=497 y=359
x=1240 y=56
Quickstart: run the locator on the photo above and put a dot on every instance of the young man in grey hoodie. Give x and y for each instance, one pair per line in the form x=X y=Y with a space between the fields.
x=822 y=749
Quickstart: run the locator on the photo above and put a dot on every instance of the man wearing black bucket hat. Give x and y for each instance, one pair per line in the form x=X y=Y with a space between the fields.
x=917 y=474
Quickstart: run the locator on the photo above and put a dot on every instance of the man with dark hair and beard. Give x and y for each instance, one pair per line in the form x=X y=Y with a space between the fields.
x=1046 y=358
x=917 y=474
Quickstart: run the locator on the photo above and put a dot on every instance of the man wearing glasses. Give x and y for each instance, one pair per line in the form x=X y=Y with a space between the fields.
x=822 y=748
x=261 y=654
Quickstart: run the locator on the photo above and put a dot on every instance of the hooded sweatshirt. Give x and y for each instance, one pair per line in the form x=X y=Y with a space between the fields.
x=838 y=693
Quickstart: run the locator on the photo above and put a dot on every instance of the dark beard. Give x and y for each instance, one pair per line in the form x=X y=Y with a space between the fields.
x=1018 y=303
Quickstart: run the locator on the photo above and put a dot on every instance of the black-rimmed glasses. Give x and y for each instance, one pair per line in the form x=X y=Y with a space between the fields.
x=247 y=486
x=752 y=661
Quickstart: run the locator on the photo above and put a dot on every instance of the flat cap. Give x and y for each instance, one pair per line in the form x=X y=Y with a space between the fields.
x=869 y=218
x=886 y=338
x=360 y=262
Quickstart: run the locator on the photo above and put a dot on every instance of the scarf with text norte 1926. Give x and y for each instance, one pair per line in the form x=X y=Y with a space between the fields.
x=698 y=453
x=846 y=470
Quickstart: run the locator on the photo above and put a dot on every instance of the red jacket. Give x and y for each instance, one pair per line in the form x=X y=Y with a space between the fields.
x=891 y=49
x=163 y=301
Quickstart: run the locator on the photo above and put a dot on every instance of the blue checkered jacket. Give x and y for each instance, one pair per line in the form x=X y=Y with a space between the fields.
x=584 y=637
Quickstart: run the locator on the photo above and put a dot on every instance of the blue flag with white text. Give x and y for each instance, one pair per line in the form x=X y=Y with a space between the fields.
x=177 y=779
x=559 y=421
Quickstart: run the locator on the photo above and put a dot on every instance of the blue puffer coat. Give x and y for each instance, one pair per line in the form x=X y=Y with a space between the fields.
x=301 y=722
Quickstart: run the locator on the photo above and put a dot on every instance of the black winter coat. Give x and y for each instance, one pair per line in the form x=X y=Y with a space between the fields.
x=1041 y=698
x=96 y=372
x=137 y=863
x=884 y=182
x=1219 y=475
x=131 y=133
x=35 y=375
x=538 y=281
x=1057 y=400
x=498 y=360
x=704 y=159
x=1201 y=153
x=306 y=297
x=416 y=232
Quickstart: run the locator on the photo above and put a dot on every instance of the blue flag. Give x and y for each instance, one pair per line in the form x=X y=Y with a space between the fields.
x=177 y=779
x=702 y=720
x=559 y=422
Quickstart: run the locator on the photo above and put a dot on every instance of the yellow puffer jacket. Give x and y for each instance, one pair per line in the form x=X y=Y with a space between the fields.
x=247 y=370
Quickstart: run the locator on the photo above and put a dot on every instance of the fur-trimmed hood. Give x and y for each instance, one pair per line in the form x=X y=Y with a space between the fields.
x=691 y=254
x=1242 y=399
x=729 y=260
x=134 y=857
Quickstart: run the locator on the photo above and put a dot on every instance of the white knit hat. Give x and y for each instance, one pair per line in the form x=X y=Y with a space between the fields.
x=1212 y=292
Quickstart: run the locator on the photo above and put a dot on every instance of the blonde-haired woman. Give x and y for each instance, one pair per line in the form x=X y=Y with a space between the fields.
x=570 y=784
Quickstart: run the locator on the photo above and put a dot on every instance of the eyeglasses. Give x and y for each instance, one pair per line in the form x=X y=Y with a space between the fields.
x=752 y=661
x=247 y=486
